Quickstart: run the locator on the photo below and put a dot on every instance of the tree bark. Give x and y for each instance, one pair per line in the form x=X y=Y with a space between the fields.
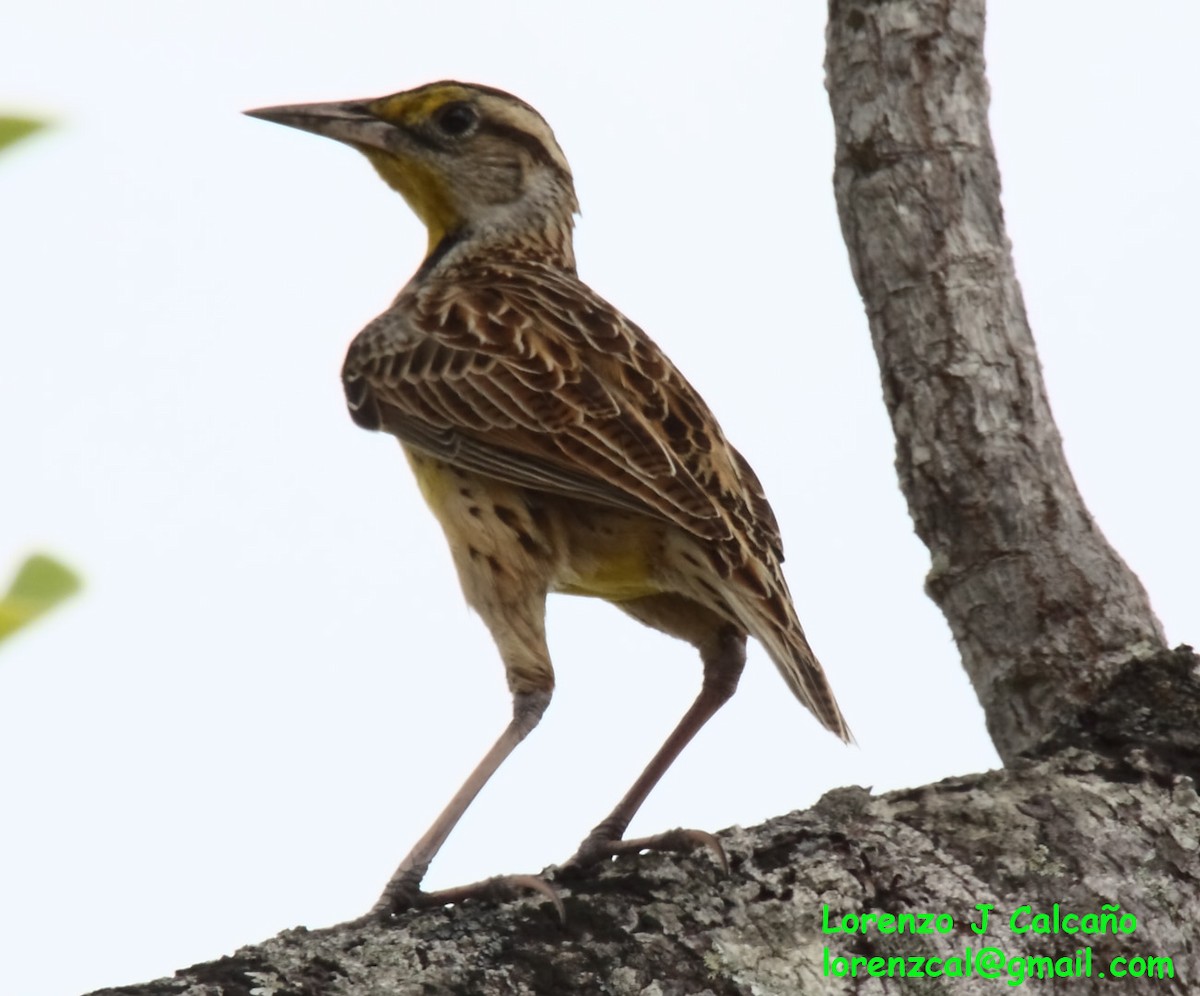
x=1111 y=820
x=1042 y=608
x=1099 y=725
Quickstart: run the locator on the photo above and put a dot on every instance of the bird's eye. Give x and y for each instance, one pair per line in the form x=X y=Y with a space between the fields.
x=455 y=119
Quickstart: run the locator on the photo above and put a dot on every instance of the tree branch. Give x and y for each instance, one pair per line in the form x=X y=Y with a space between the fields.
x=1042 y=608
x=1109 y=823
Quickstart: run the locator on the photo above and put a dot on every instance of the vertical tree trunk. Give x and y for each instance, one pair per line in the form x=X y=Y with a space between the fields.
x=1042 y=608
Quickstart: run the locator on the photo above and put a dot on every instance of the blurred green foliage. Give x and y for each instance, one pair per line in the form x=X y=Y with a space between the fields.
x=15 y=129
x=40 y=584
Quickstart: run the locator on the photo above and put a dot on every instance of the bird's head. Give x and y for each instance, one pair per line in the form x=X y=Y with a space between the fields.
x=467 y=158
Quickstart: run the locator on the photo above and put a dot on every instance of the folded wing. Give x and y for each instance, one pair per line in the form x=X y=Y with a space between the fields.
x=524 y=374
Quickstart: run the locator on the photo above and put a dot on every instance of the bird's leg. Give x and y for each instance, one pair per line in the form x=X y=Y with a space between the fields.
x=724 y=659
x=403 y=890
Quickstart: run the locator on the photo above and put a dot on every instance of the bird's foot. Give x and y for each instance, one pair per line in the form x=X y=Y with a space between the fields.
x=601 y=844
x=404 y=893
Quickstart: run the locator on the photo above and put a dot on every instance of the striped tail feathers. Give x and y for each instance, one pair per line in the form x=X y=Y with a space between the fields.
x=748 y=588
x=804 y=675
x=771 y=619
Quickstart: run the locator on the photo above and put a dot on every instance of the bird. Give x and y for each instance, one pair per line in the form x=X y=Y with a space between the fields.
x=558 y=447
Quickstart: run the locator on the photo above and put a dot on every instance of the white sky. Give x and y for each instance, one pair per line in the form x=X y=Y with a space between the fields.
x=271 y=683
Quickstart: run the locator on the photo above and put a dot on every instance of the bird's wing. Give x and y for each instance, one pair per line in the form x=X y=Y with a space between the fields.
x=533 y=379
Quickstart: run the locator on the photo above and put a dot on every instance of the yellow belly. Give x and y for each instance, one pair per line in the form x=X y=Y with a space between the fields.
x=619 y=578
x=589 y=550
x=613 y=555
x=434 y=478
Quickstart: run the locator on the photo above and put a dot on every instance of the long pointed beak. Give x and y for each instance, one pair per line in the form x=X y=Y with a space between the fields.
x=345 y=121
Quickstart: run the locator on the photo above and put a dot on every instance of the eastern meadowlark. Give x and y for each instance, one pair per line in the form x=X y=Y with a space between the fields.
x=556 y=444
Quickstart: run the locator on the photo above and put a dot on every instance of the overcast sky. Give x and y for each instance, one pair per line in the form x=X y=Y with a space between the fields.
x=271 y=683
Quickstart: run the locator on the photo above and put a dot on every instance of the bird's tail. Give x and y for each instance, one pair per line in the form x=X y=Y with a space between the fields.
x=770 y=618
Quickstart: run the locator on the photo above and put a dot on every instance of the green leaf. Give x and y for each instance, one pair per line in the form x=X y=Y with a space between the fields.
x=40 y=584
x=15 y=129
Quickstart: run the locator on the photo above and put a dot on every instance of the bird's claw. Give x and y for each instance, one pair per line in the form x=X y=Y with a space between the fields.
x=598 y=846
x=401 y=895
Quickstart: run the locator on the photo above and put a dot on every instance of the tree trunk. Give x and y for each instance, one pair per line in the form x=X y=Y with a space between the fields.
x=1098 y=724
x=1042 y=608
